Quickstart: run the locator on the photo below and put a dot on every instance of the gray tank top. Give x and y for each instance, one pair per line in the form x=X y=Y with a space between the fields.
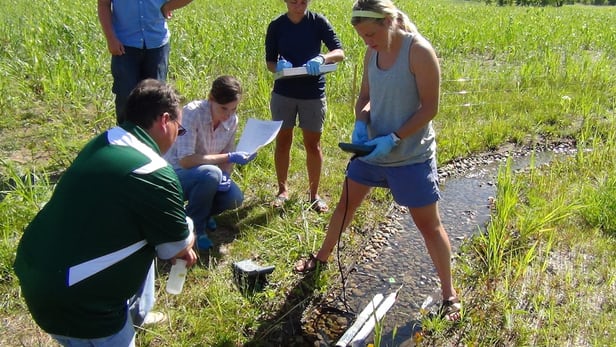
x=393 y=100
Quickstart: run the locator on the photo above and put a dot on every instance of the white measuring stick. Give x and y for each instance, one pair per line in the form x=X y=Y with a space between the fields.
x=359 y=339
x=359 y=322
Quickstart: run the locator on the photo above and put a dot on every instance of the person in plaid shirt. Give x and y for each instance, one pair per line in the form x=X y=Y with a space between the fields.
x=203 y=158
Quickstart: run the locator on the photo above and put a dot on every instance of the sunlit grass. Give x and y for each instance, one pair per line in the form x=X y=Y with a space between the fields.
x=541 y=269
x=520 y=75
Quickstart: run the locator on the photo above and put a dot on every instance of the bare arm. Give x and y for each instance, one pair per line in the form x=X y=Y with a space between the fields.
x=333 y=56
x=168 y=250
x=227 y=166
x=203 y=159
x=168 y=7
x=114 y=45
x=187 y=254
x=182 y=249
x=220 y=159
x=271 y=66
x=425 y=67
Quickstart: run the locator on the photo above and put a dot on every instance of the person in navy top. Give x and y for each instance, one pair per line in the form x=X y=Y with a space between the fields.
x=294 y=39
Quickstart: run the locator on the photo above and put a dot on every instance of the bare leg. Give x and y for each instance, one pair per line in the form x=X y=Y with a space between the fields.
x=352 y=196
x=282 y=157
x=428 y=222
x=314 y=161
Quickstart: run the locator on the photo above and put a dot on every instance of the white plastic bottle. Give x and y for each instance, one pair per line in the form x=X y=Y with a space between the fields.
x=177 y=276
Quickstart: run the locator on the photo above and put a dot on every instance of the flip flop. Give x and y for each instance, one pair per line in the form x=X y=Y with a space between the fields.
x=308 y=265
x=279 y=201
x=450 y=310
x=319 y=205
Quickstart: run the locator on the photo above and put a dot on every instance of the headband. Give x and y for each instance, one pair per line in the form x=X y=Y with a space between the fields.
x=367 y=14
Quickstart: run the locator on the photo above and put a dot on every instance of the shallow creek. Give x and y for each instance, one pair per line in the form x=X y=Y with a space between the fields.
x=395 y=258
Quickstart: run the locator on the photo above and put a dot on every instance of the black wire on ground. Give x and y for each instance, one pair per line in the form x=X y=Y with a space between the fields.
x=342 y=276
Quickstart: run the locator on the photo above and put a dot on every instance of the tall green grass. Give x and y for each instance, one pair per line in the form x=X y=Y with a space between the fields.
x=541 y=271
x=522 y=75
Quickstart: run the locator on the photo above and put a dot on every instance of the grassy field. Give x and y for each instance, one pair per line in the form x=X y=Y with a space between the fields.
x=542 y=274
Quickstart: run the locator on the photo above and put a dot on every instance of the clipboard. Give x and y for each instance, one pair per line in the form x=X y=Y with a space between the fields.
x=301 y=71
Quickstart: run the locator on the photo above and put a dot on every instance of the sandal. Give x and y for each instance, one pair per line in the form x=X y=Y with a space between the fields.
x=319 y=205
x=450 y=309
x=279 y=201
x=309 y=265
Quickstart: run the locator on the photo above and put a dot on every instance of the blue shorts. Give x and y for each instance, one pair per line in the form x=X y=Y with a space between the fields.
x=414 y=185
x=310 y=112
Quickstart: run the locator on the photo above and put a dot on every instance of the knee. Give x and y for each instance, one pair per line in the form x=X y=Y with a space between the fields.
x=210 y=174
x=313 y=148
x=284 y=140
x=204 y=183
x=430 y=232
x=238 y=198
x=312 y=144
x=283 y=146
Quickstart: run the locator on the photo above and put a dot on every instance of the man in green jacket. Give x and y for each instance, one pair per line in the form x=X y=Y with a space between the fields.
x=88 y=254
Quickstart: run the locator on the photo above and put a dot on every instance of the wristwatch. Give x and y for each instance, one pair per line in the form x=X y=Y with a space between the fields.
x=322 y=58
x=396 y=138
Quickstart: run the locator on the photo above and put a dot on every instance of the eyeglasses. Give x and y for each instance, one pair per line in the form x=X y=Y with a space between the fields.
x=181 y=129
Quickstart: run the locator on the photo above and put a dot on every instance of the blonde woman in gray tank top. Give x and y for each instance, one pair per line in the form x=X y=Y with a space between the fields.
x=397 y=101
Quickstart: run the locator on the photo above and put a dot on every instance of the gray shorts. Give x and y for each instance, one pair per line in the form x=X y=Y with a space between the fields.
x=310 y=112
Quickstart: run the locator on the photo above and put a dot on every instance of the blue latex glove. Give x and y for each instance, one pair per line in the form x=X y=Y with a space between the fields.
x=283 y=64
x=225 y=182
x=313 y=66
x=384 y=145
x=360 y=132
x=241 y=158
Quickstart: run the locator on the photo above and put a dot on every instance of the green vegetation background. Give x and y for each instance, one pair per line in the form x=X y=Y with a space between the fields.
x=542 y=274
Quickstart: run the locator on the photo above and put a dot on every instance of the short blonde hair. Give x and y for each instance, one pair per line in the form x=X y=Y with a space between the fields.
x=385 y=7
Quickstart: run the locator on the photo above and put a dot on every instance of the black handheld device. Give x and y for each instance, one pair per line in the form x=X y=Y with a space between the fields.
x=355 y=148
x=249 y=276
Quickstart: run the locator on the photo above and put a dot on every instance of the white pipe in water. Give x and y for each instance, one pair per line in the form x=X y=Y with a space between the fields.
x=359 y=322
x=359 y=339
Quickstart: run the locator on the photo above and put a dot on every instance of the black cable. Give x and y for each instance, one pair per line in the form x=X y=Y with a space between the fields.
x=344 y=216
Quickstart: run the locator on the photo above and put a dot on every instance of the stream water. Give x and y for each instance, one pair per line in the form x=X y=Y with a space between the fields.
x=396 y=258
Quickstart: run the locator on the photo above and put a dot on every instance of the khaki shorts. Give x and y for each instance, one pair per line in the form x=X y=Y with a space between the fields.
x=309 y=112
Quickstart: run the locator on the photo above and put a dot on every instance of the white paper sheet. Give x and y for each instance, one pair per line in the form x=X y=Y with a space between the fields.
x=257 y=133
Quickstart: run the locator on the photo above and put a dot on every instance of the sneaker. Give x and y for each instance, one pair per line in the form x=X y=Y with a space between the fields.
x=154 y=317
x=204 y=242
x=211 y=224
